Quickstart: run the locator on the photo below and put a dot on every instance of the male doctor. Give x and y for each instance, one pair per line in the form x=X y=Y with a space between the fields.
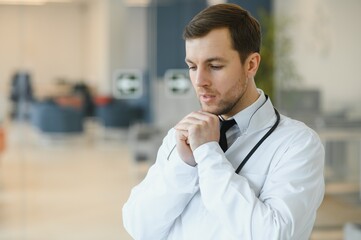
x=262 y=178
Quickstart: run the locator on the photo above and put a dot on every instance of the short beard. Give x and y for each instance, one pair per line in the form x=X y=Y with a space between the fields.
x=226 y=107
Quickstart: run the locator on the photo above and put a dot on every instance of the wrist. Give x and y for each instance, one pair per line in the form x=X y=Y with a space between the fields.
x=190 y=161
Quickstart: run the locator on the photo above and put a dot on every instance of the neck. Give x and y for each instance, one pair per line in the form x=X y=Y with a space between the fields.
x=248 y=98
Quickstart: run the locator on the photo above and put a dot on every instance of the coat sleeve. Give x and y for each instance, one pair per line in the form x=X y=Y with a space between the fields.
x=161 y=197
x=286 y=205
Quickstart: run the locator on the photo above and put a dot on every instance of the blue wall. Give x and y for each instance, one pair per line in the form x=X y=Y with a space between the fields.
x=171 y=19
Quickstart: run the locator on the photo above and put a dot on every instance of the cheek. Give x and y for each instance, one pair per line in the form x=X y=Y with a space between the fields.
x=234 y=88
x=230 y=85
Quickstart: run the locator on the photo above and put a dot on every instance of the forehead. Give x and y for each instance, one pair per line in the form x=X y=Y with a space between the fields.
x=217 y=43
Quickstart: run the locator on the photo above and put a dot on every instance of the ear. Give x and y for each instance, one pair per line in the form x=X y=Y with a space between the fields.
x=252 y=64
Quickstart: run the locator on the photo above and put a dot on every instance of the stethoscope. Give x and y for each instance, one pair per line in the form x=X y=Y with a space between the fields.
x=253 y=150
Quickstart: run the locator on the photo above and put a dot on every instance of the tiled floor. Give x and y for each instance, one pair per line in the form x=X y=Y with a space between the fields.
x=63 y=189
x=74 y=189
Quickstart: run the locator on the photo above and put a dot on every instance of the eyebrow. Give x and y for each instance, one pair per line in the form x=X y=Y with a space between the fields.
x=212 y=59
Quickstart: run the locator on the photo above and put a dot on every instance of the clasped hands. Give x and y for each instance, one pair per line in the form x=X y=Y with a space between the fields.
x=194 y=130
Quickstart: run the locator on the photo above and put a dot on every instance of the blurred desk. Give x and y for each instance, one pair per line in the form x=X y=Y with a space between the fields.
x=328 y=135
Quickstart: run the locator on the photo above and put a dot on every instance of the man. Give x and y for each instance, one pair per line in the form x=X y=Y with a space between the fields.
x=267 y=185
x=21 y=95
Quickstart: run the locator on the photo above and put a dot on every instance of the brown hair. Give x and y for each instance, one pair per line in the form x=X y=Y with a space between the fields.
x=244 y=29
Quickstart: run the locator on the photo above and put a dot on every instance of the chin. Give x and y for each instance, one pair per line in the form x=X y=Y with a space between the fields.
x=217 y=110
x=213 y=110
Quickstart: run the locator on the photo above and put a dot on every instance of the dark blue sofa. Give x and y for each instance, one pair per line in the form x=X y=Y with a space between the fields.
x=50 y=117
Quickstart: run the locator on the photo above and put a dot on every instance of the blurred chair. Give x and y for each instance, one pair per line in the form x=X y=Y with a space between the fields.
x=88 y=106
x=144 y=142
x=118 y=114
x=50 y=117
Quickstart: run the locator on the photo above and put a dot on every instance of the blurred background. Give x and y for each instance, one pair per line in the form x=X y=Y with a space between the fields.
x=88 y=89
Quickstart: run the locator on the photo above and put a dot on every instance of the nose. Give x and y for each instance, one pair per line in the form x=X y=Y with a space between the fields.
x=201 y=78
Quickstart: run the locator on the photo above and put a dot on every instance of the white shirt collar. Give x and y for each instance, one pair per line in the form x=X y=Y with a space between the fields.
x=250 y=118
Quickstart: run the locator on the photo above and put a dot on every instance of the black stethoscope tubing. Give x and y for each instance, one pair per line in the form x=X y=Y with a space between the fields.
x=253 y=150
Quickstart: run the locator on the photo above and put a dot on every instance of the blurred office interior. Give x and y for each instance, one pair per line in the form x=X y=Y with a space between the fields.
x=88 y=88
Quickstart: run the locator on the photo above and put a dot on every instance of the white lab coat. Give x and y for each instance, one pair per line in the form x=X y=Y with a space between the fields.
x=275 y=196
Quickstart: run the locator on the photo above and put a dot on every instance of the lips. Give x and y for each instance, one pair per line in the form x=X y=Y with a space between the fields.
x=206 y=97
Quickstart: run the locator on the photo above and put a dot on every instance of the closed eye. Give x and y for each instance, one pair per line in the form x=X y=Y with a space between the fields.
x=192 y=68
x=216 y=67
